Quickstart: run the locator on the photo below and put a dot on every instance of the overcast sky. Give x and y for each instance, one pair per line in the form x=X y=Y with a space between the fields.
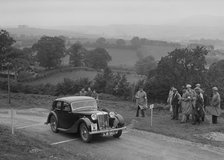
x=103 y=12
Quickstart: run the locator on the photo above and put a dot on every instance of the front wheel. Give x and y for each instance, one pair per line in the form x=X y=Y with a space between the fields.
x=84 y=133
x=118 y=134
x=53 y=124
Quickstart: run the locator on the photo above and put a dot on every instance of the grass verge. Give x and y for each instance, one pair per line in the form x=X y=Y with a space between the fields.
x=21 y=147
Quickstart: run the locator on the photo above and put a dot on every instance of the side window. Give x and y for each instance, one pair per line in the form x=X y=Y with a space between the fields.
x=58 y=105
x=66 y=107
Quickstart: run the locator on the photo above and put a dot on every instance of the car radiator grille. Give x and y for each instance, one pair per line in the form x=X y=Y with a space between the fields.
x=103 y=121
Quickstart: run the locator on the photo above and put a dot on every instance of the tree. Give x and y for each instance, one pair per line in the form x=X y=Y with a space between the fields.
x=179 y=67
x=30 y=55
x=18 y=60
x=183 y=66
x=5 y=46
x=50 y=50
x=122 y=87
x=135 y=42
x=101 y=42
x=120 y=43
x=101 y=80
x=77 y=54
x=145 y=65
x=98 y=58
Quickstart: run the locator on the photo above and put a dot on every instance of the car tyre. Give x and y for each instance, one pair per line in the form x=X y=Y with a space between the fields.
x=84 y=133
x=118 y=134
x=54 y=124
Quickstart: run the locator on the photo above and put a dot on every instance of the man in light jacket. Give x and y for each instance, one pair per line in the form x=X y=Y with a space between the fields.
x=215 y=105
x=141 y=101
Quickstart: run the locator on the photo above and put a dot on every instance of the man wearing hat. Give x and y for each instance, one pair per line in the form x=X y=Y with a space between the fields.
x=215 y=109
x=175 y=101
x=141 y=101
x=198 y=111
x=200 y=91
x=188 y=101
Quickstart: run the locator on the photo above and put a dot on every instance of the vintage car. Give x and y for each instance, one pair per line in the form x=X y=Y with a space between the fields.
x=80 y=114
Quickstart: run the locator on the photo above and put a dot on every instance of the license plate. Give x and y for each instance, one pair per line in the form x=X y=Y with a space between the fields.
x=93 y=127
x=110 y=133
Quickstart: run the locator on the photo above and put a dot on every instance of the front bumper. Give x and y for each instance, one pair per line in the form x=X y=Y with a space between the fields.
x=107 y=130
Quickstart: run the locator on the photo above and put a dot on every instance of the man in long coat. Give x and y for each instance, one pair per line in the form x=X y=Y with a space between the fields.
x=175 y=104
x=198 y=110
x=215 y=109
x=141 y=101
x=188 y=102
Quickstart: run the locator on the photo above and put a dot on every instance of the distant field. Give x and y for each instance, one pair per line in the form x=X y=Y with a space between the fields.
x=157 y=51
x=122 y=57
x=74 y=75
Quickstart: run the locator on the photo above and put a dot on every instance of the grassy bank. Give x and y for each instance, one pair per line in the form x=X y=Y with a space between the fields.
x=21 y=147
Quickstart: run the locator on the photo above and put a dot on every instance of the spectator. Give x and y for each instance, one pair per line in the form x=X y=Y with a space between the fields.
x=201 y=93
x=141 y=101
x=188 y=100
x=198 y=112
x=89 y=92
x=215 y=109
x=94 y=94
x=175 y=102
x=82 y=92
x=169 y=98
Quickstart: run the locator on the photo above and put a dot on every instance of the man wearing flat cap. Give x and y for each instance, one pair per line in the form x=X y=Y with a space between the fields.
x=188 y=102
x=175 y=101
x=198 y=110
x=215 y=109
x=141 y=101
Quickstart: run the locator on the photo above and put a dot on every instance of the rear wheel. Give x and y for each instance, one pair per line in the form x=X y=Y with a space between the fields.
x=54 y=124
x=84 y=133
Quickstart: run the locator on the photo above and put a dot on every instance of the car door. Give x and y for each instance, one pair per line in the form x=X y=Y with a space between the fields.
x=58 y=110
x=67 y=117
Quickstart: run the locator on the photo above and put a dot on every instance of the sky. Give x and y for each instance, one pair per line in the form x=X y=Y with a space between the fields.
x=103 y=12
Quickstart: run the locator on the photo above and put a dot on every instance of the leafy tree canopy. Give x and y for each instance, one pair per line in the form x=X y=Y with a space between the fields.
x=145 y=65
x=98 y=58
x=5 y=47
x=101 y=42
x=183 y=66
x=50 y=50
x=77 y=54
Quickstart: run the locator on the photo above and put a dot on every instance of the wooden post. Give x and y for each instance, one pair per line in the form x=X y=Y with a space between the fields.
x=9 y=96
x=9 y=101
x=151 y=108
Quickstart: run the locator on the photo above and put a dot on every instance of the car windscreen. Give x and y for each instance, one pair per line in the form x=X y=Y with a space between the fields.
x=84 y=105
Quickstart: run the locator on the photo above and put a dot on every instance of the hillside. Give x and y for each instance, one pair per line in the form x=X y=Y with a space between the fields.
x=74 y=75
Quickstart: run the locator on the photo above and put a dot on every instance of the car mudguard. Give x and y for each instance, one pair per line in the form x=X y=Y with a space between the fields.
x=120 y=119
x=49 y=116
x=82 y=120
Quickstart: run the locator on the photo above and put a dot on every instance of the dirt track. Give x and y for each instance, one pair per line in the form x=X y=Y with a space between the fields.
x=133 y=144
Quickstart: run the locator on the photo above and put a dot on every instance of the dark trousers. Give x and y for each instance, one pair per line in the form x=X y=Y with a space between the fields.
x=198 y=115
x=142 y=112
x=175 y=111
x=214 y=119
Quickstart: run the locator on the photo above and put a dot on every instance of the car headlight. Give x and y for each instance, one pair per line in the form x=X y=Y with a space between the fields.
x=94 y=116
x=112 y=114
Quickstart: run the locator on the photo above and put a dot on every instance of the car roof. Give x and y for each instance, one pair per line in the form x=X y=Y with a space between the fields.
x=71 y=99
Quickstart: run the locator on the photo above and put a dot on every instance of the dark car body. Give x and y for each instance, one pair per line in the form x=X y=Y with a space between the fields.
x=80 y=114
